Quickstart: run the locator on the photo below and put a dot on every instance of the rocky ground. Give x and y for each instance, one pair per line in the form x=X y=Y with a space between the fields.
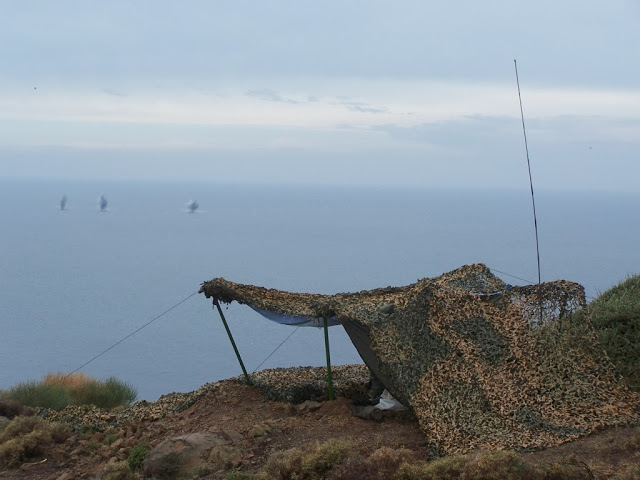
x=238 y=427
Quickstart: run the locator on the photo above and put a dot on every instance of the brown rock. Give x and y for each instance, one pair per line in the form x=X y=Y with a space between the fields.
x=232 y=436
x=131 y=442
x=114 y=470
x=123 y=453
x=308 y=406
x=183 y=455
x=117 y=444
x=226 y=456
x=258 y=431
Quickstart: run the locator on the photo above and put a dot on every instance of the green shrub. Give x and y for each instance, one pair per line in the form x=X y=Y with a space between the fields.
x=36 y=394
x=117 y=471
x=136 y=456
x=615 y=315
x=239 y=476
x=57 y=391
x=28 y=437
x=108 y=394
x=110 y=438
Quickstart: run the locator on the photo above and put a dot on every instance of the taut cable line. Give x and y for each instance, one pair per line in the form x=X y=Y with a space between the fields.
x=533 y=201
x=276 y=349
x=124 y=338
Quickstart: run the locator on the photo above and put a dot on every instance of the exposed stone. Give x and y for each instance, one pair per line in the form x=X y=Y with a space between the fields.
x=225 y=455
x=131 y=442
x=233 y=436
x=258 y=431
x=182 y=455
x=368 y=412
x=114 y=470
x=308 y=406
x=117 y=444
x=105 y=453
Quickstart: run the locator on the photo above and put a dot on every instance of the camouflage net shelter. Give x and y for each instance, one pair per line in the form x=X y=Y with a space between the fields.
x=482 y=364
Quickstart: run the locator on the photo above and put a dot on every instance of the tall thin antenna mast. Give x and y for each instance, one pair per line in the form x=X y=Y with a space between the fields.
x=533 y=201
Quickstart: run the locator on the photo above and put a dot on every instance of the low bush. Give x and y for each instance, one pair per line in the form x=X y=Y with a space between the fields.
x=37 y=394
x=490 y=465
x=25 y=438
x=306 y=463
x=136 y=456
x=239 y=476
x=56 y=391
x=629 y=472
x=107 y=394
x=380 y=465
x=615 y=315
x=335 y=460
x=168 y=468
x=117 y=471
x=11 y=409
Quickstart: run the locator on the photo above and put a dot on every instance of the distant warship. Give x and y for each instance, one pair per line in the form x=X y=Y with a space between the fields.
x=102 y=203
x=63 y=202
x=192 y=206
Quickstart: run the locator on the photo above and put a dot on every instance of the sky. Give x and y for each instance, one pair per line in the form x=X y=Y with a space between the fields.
x=408 y=93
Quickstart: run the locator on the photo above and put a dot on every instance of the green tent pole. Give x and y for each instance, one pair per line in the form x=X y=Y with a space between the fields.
x=326 y=347
x=233 y=344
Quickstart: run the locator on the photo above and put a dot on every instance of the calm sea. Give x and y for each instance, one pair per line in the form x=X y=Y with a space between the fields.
x=75 y=282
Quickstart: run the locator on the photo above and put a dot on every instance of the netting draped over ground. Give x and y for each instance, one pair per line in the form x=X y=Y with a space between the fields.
x=482 y=364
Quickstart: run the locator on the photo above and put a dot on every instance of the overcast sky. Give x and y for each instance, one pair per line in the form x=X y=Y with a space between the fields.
x=403 y=92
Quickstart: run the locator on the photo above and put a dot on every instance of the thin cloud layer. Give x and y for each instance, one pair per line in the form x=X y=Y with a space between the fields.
x=428 y=89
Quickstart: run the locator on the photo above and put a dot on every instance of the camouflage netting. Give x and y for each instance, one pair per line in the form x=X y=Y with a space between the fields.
x=482 y=364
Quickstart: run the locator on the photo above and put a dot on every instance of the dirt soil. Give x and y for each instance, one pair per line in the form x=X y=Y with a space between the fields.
x=264 y=426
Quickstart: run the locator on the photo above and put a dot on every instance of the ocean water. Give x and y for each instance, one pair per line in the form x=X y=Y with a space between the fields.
x=73 y=283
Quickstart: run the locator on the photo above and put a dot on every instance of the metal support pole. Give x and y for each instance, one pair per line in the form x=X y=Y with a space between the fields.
x=326 y=347
x=233 y=344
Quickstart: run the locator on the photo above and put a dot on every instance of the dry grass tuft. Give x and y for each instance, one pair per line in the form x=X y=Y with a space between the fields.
x=337 y=460
x=308 y=463
x=71 y=381
x=382 y=464
x=629 y=472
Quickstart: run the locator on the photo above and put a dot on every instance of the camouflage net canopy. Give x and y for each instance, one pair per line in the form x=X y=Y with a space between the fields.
x=482 y=364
